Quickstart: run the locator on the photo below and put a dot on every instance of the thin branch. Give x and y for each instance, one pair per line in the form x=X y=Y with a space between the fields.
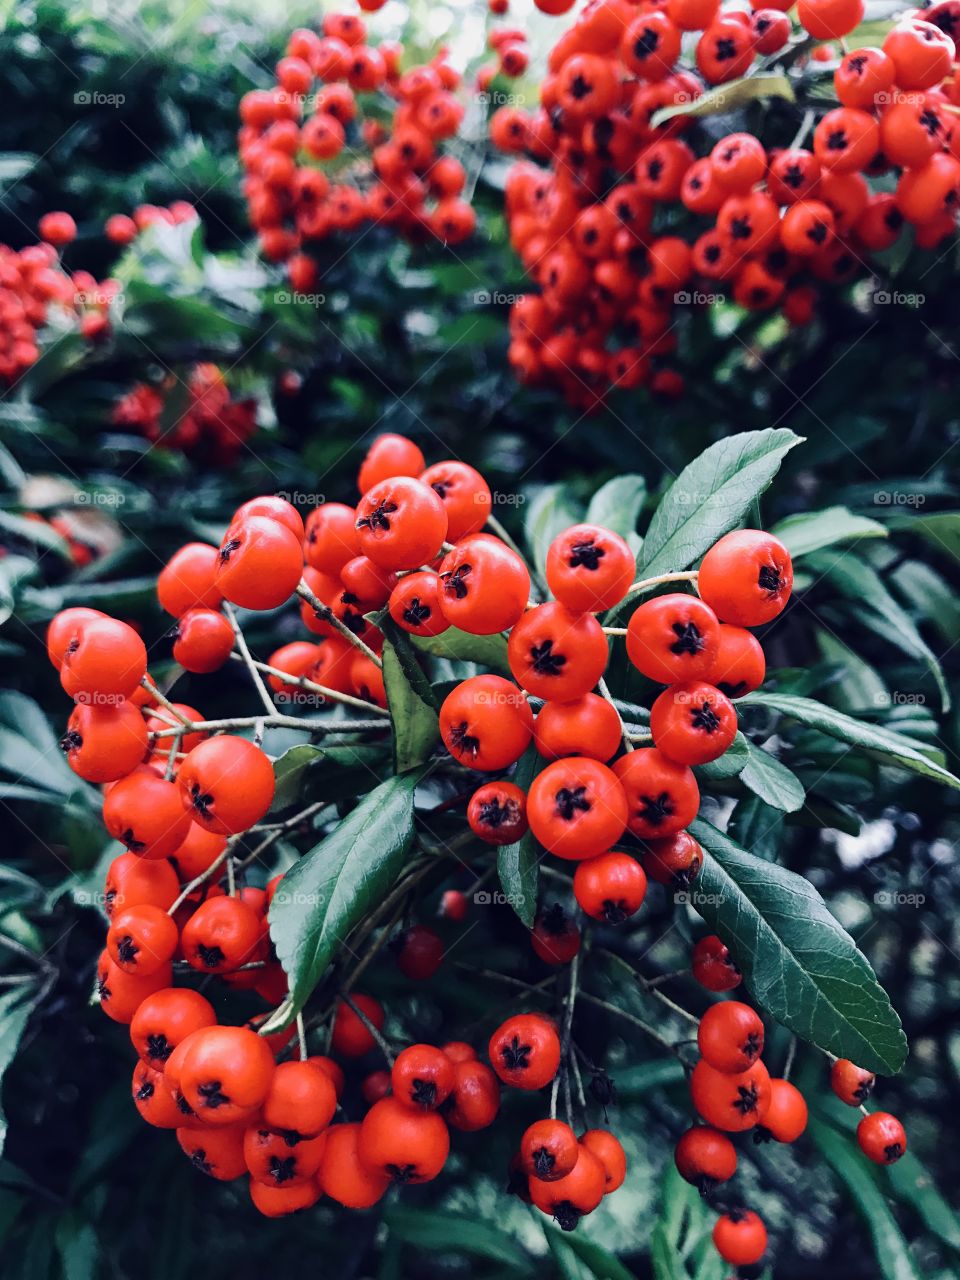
x=311 y=686
x=381 y=1043
x=326 y=614
x=247 y=656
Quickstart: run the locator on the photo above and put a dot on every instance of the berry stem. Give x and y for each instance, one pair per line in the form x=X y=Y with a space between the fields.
x=326 y=614
x=271 y=722
x=608 y=696
x=172 y=755
x=791 y=1054
x=247 y=656
x=381 y=1043
x=164 y=701
x=614 y=631
x=301 y=1038
x=649 y=584
x=578 y=1080
x=310 y=686
x=494 y=524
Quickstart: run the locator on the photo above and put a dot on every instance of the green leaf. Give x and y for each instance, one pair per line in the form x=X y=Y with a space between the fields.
x=549 y=513
x=772 y=781
x=733 y=761
x=16 y=1005
x=455 y=1233
x=598 y=1261
x=941 y=529
x=360 y=763
x=878 y=610
x=681 y=1234
x=459 y=646
x=859 y=687
x=416 y=728
x=617 y=506
x=892 y=748
x=323 y=896
x=798 y=962
x=889 y=1247
x=814 y=530
x=518 y=864
x=711 y=496
x=727 y=97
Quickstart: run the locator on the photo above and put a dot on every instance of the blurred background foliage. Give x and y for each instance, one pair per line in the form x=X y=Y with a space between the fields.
x=413 y=340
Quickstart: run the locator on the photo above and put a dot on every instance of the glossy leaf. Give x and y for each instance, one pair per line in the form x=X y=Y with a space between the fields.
x=802 y=534
x=323 y=896
x=892 y=748
x=771 y=780
x=518 y=863
x=798 y=962
x=710 y=497
x=416 y=728
x=890 y=1249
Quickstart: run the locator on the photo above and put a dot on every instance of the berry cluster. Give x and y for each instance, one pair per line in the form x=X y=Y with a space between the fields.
x=367 y=153
x=31 y=281
x=635 y=207
x=212 y=424
x=122 y=229
x=181 y=792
